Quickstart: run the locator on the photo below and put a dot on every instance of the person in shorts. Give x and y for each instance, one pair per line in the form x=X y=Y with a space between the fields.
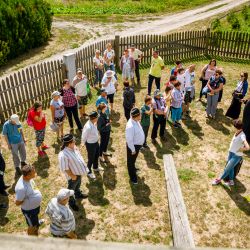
x=29 y=198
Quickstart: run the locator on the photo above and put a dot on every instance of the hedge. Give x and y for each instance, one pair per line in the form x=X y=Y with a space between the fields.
x=25 y=24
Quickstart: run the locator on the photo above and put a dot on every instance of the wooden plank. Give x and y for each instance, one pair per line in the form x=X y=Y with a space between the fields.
x=13 y=83
x=182 y=234
x=11 y=96
x=3 y=103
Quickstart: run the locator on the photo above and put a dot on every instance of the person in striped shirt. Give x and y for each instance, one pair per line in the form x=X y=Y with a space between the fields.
x=74 y=167
x=62 y=218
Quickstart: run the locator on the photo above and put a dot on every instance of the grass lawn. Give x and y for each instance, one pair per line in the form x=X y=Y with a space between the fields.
x=116 y=211
x=120 y=7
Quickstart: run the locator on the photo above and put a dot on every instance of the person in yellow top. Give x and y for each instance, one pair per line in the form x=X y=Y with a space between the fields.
x=157 y=65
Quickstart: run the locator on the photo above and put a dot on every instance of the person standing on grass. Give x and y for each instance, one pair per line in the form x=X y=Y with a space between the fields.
x=103 y=99
x=157 y=65
x=29 y=198
x=180 y=77
x=137 y=56
x=104 y=128
x=159 y=116
x=128 y=99
x=109 y=83
x=238 y=94
x=146 y=111
x=174 y=70
x=3 y=186
x=14 y=137
x=238 y=145
x=90 y=139
x=74 y=167
x=109 y=56
x=168 y=99
x=176 y=105
x=214 y=85
x=134 y=138
x=39 y=123
x=57 y=112
x=80 y=83
x=189 y=87
x=62 y=218
x=127 y=65
x=98 y=65
x=224 y=80
x=70 y=104
x=207 y=72
x=246 y=119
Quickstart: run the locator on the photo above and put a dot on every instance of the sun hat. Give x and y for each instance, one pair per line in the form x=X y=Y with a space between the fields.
x=64 y=193
x=135 y=112
x=110 y=73
x=103 y=90
x=15 y=118
x=55 y=93
x=93 y=115
x=68 y=138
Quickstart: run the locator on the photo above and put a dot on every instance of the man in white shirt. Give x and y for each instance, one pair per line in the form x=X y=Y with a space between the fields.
x=74 y=167
x=90 y=139
x=137 y=55
x=135 y=138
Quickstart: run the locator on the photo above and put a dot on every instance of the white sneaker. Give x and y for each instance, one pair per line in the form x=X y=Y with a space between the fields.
x=99 y=169
x=91 y=175
x=229 y=183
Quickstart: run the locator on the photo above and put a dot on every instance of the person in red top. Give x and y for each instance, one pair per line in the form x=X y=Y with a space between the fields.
x=39 y=124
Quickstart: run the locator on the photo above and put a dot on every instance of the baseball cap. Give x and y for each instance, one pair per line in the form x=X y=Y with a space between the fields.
x=55 y=93
x=64 y=193
x=15 y=119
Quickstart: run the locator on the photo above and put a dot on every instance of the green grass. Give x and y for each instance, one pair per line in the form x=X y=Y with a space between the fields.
x=233 y=21
x=120 y=7
x=186 y=174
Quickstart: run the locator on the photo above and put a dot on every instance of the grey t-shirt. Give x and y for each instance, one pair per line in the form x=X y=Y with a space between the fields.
x=28 y=193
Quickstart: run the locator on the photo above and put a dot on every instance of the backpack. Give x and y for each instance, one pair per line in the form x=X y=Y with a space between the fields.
x=29 y=118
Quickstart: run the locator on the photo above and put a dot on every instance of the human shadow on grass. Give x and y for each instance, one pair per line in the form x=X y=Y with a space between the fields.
x=217 y=125
x=222 y=118
x=194 y=126
x=4 y=206
x=41 y=166
x=110 y=148
x=84 y=226
x=109 y=176
x=138 y=89
x=180 y=135
x=115 y=117
x=57 y=146
x=234 y=193
x=96 y=191
x=150 y=159
x=141 y=193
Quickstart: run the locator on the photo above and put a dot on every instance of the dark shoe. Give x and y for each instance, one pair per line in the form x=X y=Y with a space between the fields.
x=175 y=125
x=154 y=141
x=4 y=193
x=134 y=182
x=145 y=146
x=23 y=163
x=163 y=138
x=18 y=171
x=74 y=207
x=6 y=187
x=81 y=196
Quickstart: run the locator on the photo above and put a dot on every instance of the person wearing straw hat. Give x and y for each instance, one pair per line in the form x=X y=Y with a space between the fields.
x=159 y=116
x=62 y=218
x=109 y=83
x=14 y=137
x=134 y=138
x=57 y=112
x=90 y=139
x=74 y=167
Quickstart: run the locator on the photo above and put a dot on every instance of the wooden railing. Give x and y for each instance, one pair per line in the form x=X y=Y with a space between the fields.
x=19 y=90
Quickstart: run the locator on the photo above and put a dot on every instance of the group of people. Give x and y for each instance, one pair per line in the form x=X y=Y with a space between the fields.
x=179 y=92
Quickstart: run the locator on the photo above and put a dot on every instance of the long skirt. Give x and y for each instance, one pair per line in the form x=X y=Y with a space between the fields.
x=234 y=109
x=246 y=121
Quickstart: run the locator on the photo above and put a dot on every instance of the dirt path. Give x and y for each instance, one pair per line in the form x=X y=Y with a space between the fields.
x=142 y=25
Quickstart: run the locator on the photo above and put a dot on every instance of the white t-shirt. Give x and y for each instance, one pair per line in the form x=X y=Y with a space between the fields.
x=189 y=78
x=181 y=79
x=98 y=61
x=81 y=87
x=237 y=143
x=109 y=55
x=135 y=54
x=110 y=88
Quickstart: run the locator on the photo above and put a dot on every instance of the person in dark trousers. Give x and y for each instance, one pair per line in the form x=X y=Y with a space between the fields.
x=223 y=79
x=70 y=104
x=74 y=167
x=159 y=116
x=90 y=139
x=246 y=119
x=128 y=99
x=135 y=138
x=104 y=127
x=146 y=111
x=3 y=186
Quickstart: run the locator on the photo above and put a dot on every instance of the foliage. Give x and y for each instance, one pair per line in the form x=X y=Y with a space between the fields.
x=186 y=174
x=216 y=25
x=25 y=24
x=119 y=7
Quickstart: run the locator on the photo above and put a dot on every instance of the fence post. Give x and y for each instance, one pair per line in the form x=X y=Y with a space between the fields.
x=70 y=63
x=2 y=120
x=207 y=38
x=117 y=50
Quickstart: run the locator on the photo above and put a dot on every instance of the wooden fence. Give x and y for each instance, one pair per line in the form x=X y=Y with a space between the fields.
x=19 y=90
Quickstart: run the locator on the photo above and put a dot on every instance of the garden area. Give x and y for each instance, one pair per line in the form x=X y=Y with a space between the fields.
x=117 y=211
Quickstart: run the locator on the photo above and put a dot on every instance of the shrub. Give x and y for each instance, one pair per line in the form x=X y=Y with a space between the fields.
x=25 y=24
x=246 y=12
x=235 y=24
x=216 y=25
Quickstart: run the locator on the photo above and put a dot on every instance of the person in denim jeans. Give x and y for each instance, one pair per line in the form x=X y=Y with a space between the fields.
x=237 y=146
x=98 y=64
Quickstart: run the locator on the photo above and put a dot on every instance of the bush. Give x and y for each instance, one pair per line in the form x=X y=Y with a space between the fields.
x=25 y=24
x=245 y=12
x=216 y=25
x=235 y=24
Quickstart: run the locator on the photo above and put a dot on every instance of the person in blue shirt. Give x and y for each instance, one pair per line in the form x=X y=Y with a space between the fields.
x=103 y=98
x=13 y=134
x=174 y=70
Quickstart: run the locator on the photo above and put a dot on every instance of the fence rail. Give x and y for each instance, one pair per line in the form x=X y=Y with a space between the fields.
x=19 y=90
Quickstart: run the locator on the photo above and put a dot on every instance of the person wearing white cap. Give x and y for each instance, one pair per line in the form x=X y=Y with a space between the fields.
x=62 y=218
x=57 y=112
x=109 y=83
x=13 y=134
